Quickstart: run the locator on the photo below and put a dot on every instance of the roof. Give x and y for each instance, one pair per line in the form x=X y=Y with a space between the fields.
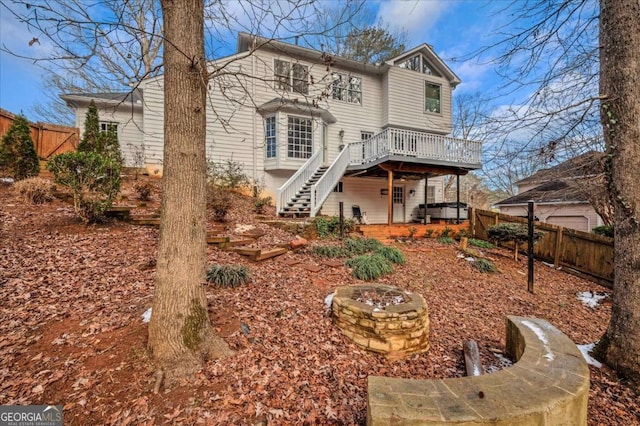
x=563 y=191
x=427 y=51
x=294 y=106
x=133 y=97
x=588 y=164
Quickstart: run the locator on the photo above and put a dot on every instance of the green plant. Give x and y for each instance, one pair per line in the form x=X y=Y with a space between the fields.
x=446 y=233
x=94 y=181
x=219 y=201
x=260 y=203
x=412 y=231
x=480 y=243
x=34 y=190
x=446 y=240
x=429 y=233
x=228 y=275
x=604 y=230
x=17 y=154
x=330 y=226
x=510 y=231
x=227 y=174
x=357 y=246
x=144 y=191
x=369 y=267
x=331 y=251
x=485 y=265
x=98 y=141
x=392 y=254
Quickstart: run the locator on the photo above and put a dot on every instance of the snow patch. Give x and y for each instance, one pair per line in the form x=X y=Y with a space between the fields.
x=503 y=362
x=146 y=317
x=6 y=181
x=328 y=301
x=591 y=298
x=586 y=353
x=470 y=259
x=241 y=229
x=543 y=338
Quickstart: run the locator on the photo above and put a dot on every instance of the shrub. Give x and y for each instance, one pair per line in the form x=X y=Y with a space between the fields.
x=144 y=191
x=392 y=254
x=17 y=154
x=369 y=267
x=446 y=240
x=34 y=190
x=447 y=233
x=330 y=226
x=358 y=246
x=228 y=275
x=509 y=231
x=94 y=181
x=429 y=233
x=485 y=265
x=604 y=230
x=330 y=251
x=227 y=174
x=97 y=141
x=260 y=203
x=480 y=243
x=219 y=201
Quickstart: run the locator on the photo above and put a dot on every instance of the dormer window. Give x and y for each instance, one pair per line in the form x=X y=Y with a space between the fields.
x=418 y=63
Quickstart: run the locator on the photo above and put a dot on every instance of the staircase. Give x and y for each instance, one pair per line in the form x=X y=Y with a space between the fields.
x=300 y=204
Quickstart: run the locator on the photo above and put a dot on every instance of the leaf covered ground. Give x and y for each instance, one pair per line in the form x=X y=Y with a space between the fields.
x=72 y=296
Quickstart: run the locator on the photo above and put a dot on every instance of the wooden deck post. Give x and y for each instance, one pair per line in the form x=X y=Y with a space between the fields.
x=426 y=187
x=390 y=197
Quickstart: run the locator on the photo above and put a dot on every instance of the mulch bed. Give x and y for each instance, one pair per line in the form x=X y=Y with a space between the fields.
x=72 y=296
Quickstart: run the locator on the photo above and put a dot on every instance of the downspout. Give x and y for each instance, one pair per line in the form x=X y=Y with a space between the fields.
x=253 y=119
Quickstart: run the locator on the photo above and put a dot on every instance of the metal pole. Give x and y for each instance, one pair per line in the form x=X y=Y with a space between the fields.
x=341 y=205
x=530 y=245
x=426 y=187
x=457 y=198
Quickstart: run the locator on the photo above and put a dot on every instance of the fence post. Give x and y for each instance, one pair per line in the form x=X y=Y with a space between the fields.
x=556 y=254
x=341 y=205
x=530 y=245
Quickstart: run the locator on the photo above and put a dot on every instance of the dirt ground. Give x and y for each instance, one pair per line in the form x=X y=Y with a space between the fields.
x=72 y=296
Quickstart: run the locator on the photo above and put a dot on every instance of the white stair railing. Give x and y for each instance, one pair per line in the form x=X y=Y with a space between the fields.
x=321 y=190
x=288 y=189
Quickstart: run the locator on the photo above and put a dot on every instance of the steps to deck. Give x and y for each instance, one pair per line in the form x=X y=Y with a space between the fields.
x=300 y=204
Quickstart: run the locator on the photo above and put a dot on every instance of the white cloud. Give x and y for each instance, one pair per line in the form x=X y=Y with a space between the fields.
x=416 y=17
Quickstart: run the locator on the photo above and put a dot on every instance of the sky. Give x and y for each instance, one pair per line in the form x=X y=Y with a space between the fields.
x=455 y=28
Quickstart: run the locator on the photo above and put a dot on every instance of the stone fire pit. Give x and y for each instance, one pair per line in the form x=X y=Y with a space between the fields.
x=382 y=319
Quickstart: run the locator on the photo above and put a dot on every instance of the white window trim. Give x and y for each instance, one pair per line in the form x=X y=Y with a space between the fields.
x=424 y=97
x=312 y=137
x=346 y=79
x=290 y=84
x=275 y=138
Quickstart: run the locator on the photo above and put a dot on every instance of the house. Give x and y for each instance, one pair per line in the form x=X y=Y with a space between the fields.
x=563 y=194
x=315 y=130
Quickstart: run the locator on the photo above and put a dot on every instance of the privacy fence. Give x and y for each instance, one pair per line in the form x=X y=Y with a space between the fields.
x=49 y=139
x=582 y=253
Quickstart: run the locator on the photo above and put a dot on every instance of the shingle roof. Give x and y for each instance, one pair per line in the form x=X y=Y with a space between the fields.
x=554 y=191
x=589 y=163
x=134 y=96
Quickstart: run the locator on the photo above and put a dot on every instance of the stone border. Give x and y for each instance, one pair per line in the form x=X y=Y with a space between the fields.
x=549 y=385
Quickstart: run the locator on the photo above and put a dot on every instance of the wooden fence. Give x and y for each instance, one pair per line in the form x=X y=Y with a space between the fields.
x=582 y=253
x=49 y=139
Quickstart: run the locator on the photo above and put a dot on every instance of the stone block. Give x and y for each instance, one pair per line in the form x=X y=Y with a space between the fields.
x=378 y=345
x=408 y=324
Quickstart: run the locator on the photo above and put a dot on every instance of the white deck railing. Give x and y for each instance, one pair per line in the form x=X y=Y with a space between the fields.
x=295 y=182
x=419 y=145
x=324 y=186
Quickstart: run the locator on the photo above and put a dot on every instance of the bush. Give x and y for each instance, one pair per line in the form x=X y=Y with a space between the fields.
x=227 y=174
x=228 y=275
x=369 y=267
x=509 y=231
x=604 y=230
x=219 y=201
x=392 y=254
x=144 y=191
x=34 y=190
x=18 y=156
x=331 y=251
x=480 y=243
x=260 y=203
x=484 y=265
x=446 y=240
x=357 y=246
x=94 y=181
x=97 y=141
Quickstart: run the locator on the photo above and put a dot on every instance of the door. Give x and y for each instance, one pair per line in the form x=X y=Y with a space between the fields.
x=325 y=145
x=398 y=204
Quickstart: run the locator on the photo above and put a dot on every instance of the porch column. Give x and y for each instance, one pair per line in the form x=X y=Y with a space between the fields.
x=426 y=185
x=390 y=197
x=457 y=198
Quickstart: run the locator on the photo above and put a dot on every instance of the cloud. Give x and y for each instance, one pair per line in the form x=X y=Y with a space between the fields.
x=416 y=17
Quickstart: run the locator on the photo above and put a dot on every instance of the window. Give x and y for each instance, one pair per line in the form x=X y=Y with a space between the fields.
x=299 y=137
x=398 y=195
x=291 y=77
x=347 y=88
x=418 y=63
x=365 y=135
x=270 y=136
x=431 y=97
x=431 y=194
x=108 y=125
x=339 y=187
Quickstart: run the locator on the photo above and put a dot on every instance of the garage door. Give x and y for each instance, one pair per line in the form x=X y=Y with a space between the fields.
x=580 y=223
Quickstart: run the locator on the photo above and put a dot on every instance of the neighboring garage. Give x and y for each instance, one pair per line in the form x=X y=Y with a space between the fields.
x=580 y=223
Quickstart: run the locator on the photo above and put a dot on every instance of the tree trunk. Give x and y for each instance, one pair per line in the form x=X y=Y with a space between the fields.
x=180 y=332
x=620 y=115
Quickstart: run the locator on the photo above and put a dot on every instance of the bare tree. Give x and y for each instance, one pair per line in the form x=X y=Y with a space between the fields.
x=110 y=47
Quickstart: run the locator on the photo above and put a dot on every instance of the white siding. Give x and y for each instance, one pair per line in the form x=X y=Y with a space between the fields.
x=406 y=101
x=130 y=126
x=576 y=216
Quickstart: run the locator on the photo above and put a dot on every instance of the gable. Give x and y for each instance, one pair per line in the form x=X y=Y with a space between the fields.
x=424 y=60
